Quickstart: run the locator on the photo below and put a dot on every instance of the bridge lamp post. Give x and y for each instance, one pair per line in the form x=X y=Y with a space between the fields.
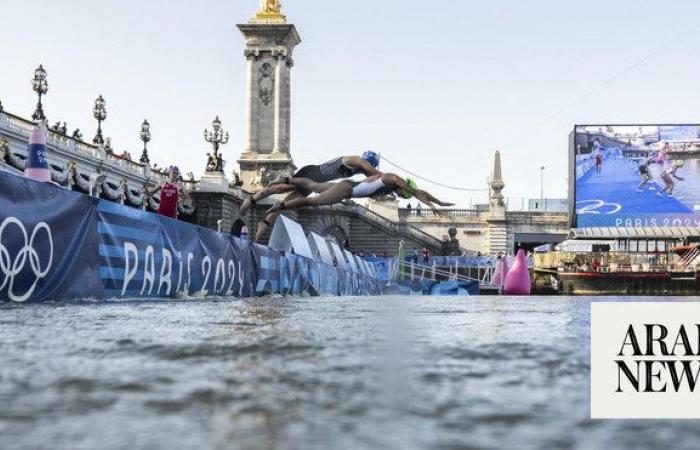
x=99 y=112
x=41 y=87
x=542 y=187
x=216 y=138
x=146 y=138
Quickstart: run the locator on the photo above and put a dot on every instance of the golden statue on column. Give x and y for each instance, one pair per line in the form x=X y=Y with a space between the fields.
x=270 y=12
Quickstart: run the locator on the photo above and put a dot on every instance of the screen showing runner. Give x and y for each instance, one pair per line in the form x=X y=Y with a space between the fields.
x=637 y=175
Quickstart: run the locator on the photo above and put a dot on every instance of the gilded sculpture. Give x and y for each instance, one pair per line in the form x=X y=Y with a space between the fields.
x=270 y=12
x=270 y=6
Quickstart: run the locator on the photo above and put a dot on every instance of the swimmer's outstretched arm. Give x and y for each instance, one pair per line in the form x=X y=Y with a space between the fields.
x=432 y=198
x=424 y=197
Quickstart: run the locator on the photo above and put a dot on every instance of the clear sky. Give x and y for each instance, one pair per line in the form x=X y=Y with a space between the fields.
x=436 y=86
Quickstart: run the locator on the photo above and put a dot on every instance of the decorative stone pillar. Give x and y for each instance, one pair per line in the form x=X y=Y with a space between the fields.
x=270 y=42
x=279 y=122
x=251 y=132
x=497 y=231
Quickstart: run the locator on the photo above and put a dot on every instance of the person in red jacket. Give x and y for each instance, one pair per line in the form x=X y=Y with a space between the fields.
x=169 y=194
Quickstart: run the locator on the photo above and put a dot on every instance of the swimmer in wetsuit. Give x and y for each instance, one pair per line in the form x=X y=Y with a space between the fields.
x=668 y=172
x=335 y=169
x=674 y=171
x=644 y=172
x=374 y=186
x=669 y=184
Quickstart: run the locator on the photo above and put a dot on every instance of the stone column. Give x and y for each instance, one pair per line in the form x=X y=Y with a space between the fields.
x=289 y=63
x=280 y=121
x=269 y=47
x=497 y=221
x=251 y=132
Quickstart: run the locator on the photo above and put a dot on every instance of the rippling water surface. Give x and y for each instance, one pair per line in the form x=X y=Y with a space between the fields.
x=351 y=373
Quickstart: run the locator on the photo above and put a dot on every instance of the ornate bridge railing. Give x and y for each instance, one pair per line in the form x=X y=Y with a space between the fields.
x=78 y=165
x=20 y=126
x=405 y=212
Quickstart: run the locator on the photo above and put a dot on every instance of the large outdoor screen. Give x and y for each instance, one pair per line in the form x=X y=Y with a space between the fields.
x=636 y=175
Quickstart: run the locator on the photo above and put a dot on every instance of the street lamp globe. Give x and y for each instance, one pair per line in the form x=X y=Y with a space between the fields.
x=216 y=138
x=41 y=86
x=145 y=135
x=99 y=112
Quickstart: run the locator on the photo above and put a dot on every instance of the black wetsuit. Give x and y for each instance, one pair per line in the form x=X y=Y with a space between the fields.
x=644 y=168
x=332 y=170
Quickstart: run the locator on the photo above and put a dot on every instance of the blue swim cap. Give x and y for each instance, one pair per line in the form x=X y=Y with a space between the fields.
x=371 y=157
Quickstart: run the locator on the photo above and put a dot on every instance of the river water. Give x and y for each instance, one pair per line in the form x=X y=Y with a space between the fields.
x=326 y=373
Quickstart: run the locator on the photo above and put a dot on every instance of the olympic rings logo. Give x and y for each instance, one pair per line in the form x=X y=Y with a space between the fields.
x=10 y=267
x=597 y=207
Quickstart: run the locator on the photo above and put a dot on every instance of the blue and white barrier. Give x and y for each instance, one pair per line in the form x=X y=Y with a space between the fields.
x=61 y=245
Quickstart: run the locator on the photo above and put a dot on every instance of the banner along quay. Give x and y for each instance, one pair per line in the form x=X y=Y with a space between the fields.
x=59 y=245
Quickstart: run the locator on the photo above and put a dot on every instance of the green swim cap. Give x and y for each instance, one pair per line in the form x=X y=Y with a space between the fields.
x=680 y=163
x=408 y=194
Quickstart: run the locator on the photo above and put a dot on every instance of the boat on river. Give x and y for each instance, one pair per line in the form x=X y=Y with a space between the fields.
x=658 y=261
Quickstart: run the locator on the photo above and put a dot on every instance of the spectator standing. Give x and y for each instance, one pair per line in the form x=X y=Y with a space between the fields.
x=426 y=256
x=169 y=194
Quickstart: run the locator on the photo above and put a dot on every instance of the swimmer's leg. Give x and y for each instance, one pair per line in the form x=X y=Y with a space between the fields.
x=310 y=185
x=330 y=196
x=270 y=219
x=264 y=193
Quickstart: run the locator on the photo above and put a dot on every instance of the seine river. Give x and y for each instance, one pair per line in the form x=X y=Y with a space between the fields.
x=350 y=373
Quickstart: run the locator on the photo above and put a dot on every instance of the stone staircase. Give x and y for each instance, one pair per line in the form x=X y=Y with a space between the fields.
x=369 y=232
x=365 y=230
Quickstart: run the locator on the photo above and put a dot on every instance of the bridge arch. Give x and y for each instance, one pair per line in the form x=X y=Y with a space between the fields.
x=337 y=234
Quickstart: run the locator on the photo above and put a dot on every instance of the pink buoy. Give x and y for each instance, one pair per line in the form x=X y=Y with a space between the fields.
x=37 y=163
x=518 y=278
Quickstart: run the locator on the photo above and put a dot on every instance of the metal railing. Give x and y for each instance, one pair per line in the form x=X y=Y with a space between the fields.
x=421 y=272
x=405 y=212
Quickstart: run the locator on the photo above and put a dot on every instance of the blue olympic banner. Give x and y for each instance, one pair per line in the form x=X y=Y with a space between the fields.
x=61 y=245
x=48 y=242
x=143 y=255
x=267 y=263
